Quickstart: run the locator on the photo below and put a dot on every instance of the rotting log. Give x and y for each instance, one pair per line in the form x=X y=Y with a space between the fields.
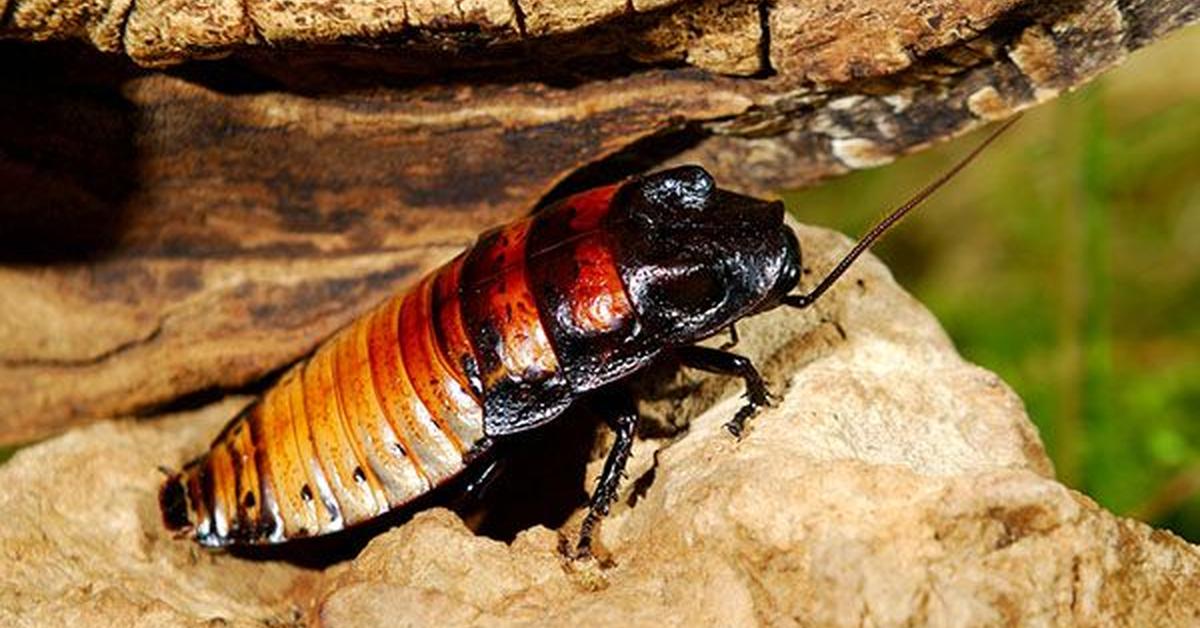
x=194 y=194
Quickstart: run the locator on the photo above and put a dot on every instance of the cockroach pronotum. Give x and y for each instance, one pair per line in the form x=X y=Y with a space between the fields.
x=535 y=315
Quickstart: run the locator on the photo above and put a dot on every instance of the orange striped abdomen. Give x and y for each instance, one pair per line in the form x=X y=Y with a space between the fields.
x=513 y=329
x=378 y=416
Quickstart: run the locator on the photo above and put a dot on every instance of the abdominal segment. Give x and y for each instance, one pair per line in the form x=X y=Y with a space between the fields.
x=377 y=417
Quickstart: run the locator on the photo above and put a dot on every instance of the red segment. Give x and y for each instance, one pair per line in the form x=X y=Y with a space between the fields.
x=590 y=207
x=596 y=298
x=502 y=313
x=453 y=345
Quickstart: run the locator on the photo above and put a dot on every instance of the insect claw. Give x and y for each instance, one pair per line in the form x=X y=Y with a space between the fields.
x=578 y=550
x=582 y=550
x=737 y=425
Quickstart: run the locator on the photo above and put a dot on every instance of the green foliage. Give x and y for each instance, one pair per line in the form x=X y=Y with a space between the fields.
x=1066 y=260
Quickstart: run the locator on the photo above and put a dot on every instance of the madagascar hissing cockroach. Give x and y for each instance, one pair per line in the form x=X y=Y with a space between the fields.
x=535 y=315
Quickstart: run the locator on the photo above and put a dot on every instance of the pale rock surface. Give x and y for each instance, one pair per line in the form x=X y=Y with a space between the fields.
x=82 y=543
x=893 y=483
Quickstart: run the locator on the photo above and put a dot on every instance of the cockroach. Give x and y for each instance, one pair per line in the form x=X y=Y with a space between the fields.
x=537 y=314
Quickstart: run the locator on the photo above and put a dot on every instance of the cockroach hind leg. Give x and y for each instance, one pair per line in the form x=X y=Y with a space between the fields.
x=581 y=549
x=587 y=570
x=584 y=554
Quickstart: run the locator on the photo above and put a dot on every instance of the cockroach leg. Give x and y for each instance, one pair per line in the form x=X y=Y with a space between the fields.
x=725 y=363
x=623 y=419
x=478 y=487
x=733 y=338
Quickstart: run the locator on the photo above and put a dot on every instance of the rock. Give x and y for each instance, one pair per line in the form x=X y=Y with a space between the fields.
x=82 y=542
x=892 y=483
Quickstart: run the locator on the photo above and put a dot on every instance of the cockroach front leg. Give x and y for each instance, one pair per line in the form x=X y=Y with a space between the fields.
x=623 y=419
x=725 y=363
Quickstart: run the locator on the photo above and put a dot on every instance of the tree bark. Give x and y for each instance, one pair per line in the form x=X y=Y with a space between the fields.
x=192 y=195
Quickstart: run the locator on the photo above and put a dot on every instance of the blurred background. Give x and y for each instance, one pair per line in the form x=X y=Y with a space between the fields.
x=1067 y=259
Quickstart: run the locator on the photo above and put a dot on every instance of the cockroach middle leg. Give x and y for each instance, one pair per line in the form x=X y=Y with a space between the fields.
x=623 y=419
x=725 y=363
x=477 y=488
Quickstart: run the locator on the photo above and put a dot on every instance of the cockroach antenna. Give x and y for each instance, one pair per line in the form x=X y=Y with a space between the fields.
x=805 y=300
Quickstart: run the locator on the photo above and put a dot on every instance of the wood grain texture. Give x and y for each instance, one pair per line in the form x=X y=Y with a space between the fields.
x=169 y=234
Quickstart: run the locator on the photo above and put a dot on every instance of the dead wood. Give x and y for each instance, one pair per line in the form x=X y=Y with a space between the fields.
x=167 y=234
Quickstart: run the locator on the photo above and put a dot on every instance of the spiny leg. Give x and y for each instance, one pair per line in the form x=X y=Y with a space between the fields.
x=623 y=419
x=732 y=364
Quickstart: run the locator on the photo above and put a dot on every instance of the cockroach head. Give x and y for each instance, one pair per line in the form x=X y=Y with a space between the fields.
x=671 y=197
x=696 y=258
